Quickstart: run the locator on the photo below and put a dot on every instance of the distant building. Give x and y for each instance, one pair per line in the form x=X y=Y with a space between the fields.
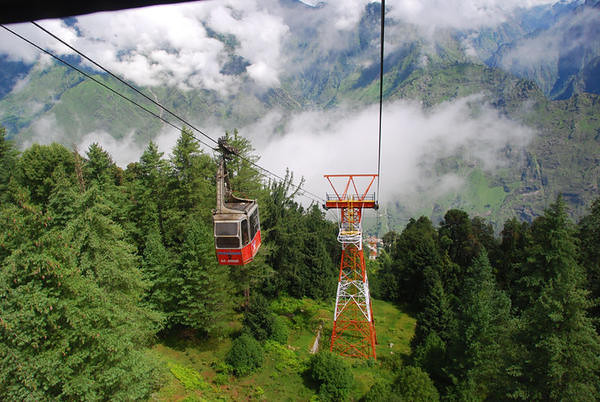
x=373 y=245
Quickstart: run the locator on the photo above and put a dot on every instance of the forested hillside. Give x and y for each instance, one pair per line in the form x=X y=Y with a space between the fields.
x=535 y=67
x=109 y=289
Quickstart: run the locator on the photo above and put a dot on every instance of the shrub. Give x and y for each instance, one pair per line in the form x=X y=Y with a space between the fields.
x=332 y=374
x=285 y=358
x=414 y=384
x=379 y=392
x=190 y=378
x=245 y=355
x=258 y=318
x=280 y=331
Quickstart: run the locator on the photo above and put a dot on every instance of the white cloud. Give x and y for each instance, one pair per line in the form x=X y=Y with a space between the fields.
x=259 y=32
x=413 y=139
x=460 y=14
x=543 y=50
x=45 y=130
x=170 y=45
x=123 y=151
x=167 y=45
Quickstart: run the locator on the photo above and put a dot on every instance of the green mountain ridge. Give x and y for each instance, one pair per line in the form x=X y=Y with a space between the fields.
x=561 y=158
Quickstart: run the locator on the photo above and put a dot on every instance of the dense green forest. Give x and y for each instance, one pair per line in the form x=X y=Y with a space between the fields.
x=98 y=264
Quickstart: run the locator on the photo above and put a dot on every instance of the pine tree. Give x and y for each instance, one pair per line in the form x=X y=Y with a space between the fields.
x=158 y=269
x=589 y=257
x=72 y=327
x=463 y=245
x=100 y=171
x=63 y=198
x=146 y=182
x=8 y=161
x=484 y=324
x=203 y=299
x=191 y=188
x=516 y=237
x=36 y=166
x=415 y=250
x=436 y=326
x=564 y=348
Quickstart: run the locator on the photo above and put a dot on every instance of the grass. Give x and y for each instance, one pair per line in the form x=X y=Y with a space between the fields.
x=194 y=370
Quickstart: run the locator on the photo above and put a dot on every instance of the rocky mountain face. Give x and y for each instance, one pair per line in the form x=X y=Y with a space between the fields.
x=556 y=46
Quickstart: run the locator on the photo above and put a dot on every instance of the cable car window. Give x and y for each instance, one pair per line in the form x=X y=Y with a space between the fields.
x=245 y=238
x=254 y=223
x=228 y=242
x=226 y=228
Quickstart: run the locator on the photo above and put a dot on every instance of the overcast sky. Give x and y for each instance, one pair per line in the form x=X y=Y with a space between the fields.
x=172 y=45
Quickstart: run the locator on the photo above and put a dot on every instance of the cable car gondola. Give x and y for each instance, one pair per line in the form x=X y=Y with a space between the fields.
x=236 y=220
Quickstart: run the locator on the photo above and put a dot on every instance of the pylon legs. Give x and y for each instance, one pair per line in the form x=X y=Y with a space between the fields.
x=353 y=332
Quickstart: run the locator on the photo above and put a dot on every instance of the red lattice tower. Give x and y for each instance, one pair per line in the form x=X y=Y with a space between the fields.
x=353 y=324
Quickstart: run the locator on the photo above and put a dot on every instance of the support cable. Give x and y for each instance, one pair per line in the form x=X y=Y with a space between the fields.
x=260 y=170
x=122 y=81
x=380 y=95
x=95 y=80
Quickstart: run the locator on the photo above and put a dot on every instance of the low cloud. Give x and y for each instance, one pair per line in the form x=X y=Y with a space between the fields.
x=168 y=45
x=345 y=140
x=459 y=14
x=575 y=31
x=188 y=45
x=123 y=150
x=413 y=140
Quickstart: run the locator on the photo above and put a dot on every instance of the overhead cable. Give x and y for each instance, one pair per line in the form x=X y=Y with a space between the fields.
x=380 y=95
x=122 y=81
x=260 y=170
x=95 y=80
x=319 y=199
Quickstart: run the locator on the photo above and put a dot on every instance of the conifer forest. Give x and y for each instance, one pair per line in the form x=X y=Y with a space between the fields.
x=110 y=290
x=300 y=200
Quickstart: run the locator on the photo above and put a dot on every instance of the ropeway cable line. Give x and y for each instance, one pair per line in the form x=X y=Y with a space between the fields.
x=261 y=170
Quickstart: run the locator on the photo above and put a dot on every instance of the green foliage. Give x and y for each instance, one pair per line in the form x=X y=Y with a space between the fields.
x=589 y=256
x=8 y=161
x=199 y=284
x=72 y=324
x=37 y=165
x=279 y=330
x=285 y=358
x=99 y=168
x=159 y=270
x=258 y=318
x=301 y=312
x=414 y=385
x=436 y=314
x=245 y=356
x=515 y=240
x=380 y=392
x=484 y=321
x=190 y=378
x=332 y=374
x=463 y=245
x=302 y=242
x=190 y=186
x=563 y=347
x=432 y=356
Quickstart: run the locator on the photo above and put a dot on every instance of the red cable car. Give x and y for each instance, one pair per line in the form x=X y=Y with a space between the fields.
x=236 y=221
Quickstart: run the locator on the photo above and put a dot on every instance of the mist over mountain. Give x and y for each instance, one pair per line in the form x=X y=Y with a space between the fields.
x=489 y=106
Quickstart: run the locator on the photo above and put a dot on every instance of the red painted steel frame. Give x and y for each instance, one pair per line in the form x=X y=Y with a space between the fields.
x=353 y=333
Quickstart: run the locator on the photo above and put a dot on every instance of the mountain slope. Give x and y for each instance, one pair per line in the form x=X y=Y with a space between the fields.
x=57 y=104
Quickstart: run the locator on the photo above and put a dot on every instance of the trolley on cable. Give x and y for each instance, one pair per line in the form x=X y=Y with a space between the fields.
x=236 y=221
